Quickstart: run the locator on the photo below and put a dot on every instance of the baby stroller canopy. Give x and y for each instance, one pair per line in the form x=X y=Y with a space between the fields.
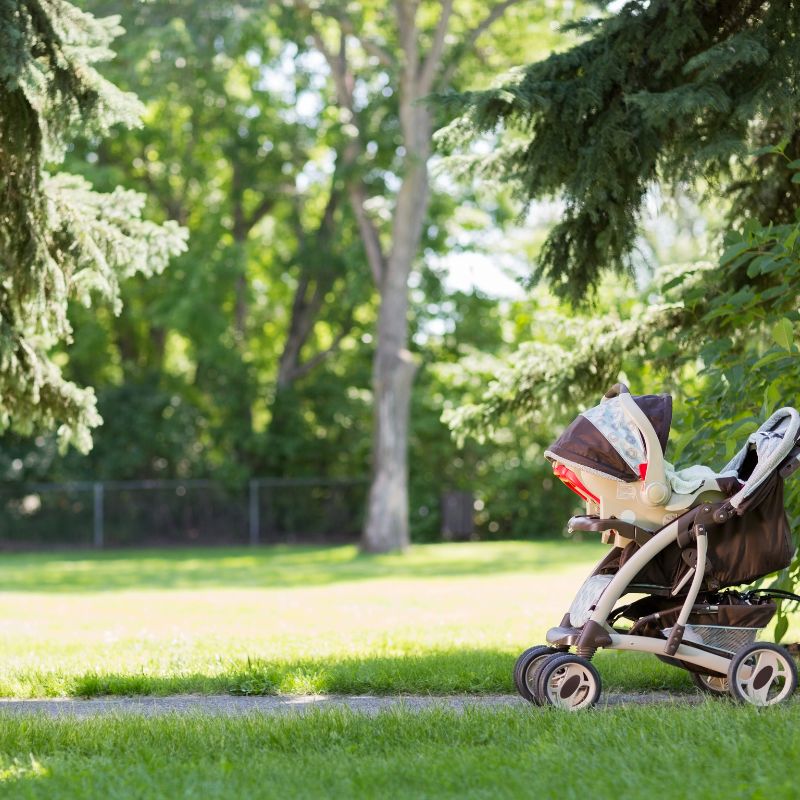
x=606 y=440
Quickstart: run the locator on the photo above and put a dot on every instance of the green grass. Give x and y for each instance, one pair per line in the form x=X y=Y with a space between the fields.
x=715 y=750
x=279 y=567
x=441 y=619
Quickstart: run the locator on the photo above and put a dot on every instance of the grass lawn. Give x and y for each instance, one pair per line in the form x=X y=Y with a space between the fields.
x=441 y=619
x=444 y=618
x=715 y=750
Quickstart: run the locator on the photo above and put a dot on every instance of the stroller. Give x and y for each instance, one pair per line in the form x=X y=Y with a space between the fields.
x=680 y=540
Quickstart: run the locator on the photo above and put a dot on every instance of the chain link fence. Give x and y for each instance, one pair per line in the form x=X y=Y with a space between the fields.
x=174 y=512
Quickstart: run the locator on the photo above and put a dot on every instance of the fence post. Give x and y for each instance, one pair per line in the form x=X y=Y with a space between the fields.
x=98 y=515
x=255 y=522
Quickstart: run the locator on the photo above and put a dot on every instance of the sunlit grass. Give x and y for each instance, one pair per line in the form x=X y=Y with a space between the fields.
x=441 y=619
x=714 y=750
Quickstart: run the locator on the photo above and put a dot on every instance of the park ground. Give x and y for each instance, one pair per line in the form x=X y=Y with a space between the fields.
x=442 y=619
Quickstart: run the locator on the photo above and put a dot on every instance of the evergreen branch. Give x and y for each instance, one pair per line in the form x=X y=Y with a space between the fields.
x=549 y=380
x=667 y=94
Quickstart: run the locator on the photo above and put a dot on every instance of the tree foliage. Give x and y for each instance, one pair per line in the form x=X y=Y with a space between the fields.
x=658 y=91
x=58 y=238
x=242 y=122
x=723 y=337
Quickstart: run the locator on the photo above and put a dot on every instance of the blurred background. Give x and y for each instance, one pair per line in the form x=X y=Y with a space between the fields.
x=243 y=390
x=235 y=387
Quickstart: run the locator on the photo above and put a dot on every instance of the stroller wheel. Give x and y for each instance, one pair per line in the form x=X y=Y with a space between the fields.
x=526 y=668
x=716 y=685
x=762 y=674
x=568 y=682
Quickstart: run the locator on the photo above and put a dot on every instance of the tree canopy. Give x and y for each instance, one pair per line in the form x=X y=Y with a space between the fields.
x=695 y=96
x=661 y=91
x=251 y=354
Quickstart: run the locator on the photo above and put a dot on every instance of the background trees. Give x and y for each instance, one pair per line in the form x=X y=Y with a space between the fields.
x=252 y=354
x=383 y=67
x=296 y=143
x=59 y=239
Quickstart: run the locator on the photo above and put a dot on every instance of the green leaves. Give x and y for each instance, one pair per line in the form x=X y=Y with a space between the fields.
x=772 y=149
x=783 y=333
x=781 y=626
x=732 y=252
x=601 y=122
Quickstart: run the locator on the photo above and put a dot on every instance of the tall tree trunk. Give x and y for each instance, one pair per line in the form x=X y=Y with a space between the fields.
x=386 y=526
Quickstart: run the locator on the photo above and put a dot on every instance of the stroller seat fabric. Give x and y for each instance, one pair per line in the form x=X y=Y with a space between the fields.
x=608 y=454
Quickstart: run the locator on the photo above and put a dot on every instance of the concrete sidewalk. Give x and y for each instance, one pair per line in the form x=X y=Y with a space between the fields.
x=281 y=704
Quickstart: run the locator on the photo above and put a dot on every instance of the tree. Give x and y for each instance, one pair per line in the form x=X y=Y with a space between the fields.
x=671 y=92
x=58 y=238
x=658 y=90
x=676 y=92
x=242 y=147
x=415 y=52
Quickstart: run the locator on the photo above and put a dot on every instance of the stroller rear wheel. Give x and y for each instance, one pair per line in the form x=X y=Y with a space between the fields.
x=526 y=668
x=762 y=674
x=716 y=685
x=568 y=682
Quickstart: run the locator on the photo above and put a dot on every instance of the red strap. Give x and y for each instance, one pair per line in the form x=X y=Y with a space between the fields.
x=571 y=481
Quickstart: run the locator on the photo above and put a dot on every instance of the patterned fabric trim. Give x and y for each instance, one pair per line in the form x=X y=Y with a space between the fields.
x=612 y=421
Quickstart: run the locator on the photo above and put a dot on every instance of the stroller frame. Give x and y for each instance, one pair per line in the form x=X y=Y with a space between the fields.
x=757 y=673
x=594 y=634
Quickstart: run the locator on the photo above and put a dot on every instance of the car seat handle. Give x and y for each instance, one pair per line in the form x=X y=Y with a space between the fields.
x=656 y=490
x=616 y=390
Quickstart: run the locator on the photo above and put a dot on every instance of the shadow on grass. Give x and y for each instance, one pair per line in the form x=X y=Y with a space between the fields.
x=477 y=671
x=276 y=566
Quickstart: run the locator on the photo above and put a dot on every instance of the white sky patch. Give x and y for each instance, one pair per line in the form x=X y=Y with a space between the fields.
x=493 y=260
x=494 y=276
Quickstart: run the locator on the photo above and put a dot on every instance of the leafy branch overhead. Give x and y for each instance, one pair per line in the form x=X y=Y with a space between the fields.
x=660 y=91
x=731 y=324
x=59 y=240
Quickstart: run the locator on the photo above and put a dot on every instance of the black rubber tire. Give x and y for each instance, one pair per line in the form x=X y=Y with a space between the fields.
x=764 y=675
x=552 y=665
x=715 y=685
x=525 y=667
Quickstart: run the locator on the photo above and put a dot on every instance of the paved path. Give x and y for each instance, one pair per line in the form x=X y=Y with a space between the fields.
x=231 y=705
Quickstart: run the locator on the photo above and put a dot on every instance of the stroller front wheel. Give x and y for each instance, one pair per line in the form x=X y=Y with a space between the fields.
x=526 y=668
x=568 y=682
x=762 y=674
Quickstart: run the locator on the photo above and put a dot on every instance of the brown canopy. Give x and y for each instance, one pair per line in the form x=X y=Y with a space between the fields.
x=604 y=439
